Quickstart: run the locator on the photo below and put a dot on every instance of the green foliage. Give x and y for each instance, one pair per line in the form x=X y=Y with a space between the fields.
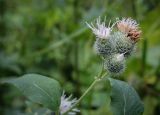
x=124 y=99
x=49 y=37
x=39 y=89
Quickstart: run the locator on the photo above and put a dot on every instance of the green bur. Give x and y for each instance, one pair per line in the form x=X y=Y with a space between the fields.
x=104 y=47
x=123 y=44
x=114 y=65
x=115 y=45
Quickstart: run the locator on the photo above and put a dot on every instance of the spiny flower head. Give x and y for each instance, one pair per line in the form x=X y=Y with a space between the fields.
x=123 y=44
x=115 y=64
x=100 y=29
x=67 y=103
x=130 y=27
x=115 y=45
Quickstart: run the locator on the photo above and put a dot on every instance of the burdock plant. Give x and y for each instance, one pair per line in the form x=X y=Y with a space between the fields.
x=114 y=43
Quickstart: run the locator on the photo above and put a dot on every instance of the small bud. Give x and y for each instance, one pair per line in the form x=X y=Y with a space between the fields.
x=115 y=64
x=130 y=27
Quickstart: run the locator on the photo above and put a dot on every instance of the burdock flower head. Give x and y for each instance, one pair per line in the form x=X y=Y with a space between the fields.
x=130 y=27
x=100 y=29
x=115 y=64
x=67 y=103
x=115 y=44
x=103 y=33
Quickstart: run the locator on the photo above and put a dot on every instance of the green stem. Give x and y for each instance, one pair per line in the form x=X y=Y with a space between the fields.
x=90 y=87
x=86 y=92
x=97 y=79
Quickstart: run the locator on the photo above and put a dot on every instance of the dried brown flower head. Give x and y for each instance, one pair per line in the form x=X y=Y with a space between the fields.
x=130 y=27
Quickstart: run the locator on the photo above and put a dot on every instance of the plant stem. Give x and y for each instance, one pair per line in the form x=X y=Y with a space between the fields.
x=97 y=79
x=90 y=87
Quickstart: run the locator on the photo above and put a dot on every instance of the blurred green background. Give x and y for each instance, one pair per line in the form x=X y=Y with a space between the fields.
x=50 y=37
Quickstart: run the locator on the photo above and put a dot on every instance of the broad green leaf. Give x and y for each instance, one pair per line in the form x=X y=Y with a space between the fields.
x=124 y=99
x=39 y=89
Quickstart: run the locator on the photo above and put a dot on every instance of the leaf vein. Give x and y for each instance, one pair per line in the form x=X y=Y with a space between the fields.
x=43 y=91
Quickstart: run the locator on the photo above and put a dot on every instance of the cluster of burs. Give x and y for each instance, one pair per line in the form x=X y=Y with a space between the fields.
x=115 y=43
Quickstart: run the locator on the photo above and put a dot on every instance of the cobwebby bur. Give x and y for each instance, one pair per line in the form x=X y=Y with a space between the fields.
x=116 y=40
x=103 y=36
x=123 y=44
x=115 y=64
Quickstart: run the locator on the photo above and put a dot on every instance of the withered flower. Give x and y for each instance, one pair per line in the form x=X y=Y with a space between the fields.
x=130 y=27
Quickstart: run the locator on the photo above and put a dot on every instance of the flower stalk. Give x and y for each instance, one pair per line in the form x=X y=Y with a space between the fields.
x=97 y=79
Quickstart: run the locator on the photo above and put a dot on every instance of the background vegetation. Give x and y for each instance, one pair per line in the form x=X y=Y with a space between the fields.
x=50 y=37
